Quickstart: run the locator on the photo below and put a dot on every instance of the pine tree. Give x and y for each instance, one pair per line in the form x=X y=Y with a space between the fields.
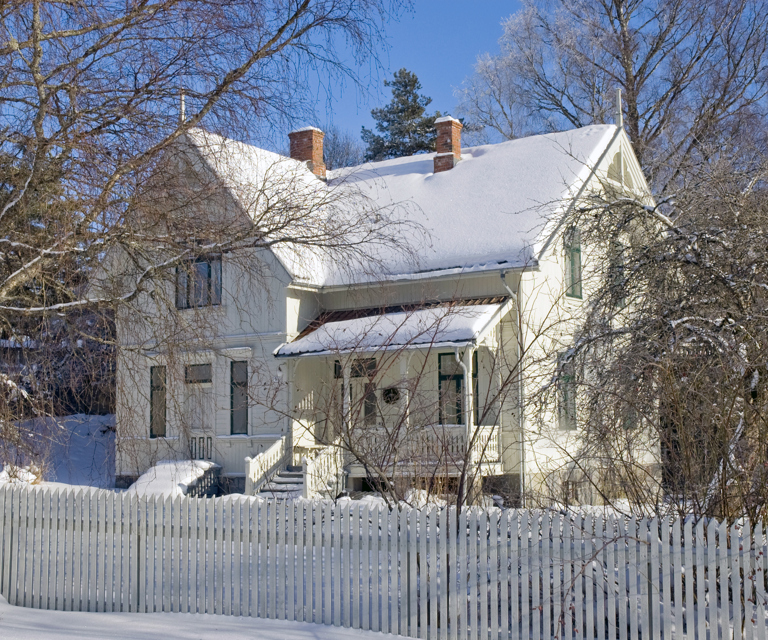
x=403 y=125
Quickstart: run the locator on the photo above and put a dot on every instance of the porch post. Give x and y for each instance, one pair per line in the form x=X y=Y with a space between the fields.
x=469 y=392
x=405 y=403
x=290 y=368
x=345 y=393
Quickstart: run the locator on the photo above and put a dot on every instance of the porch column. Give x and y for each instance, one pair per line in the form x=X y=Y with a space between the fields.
x=469 y=393
x=290 y=368
x=346 y=373
x=405 y=393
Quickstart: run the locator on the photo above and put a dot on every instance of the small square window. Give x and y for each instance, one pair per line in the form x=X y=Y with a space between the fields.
x=198 y=374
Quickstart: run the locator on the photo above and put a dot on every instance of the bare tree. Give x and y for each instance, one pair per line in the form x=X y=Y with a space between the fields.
x=693 y=76
x=668 y=364
x=90 y=97
x=341 y=149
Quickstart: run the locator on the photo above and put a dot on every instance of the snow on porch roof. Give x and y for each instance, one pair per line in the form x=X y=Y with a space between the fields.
x=453 y=325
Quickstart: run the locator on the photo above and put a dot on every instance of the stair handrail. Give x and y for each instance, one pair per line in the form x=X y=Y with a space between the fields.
x=260 y=469
x=323 y=469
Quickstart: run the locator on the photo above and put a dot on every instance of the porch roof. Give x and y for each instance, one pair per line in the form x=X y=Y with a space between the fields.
x=455 y=325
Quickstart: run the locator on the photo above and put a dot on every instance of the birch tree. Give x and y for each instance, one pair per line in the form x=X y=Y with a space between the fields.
x=93 y=97
x=693 y=76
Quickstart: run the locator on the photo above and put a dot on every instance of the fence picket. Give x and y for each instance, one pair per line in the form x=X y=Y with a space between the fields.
x=303 y=569
x=631 y=561
x=589 y=621
x=7 y=513
x=715 y=614
x=644 y=576
x=760 y=575
x=493 y=553
x=655 y=587
x=699 y=613
x=687 y=565
x=677 y=576
x=281 y=518
x=735 y=580
x=534 y=557
x=748 y=575
x=566 y=621
x=336 y=565
x=405 y=571
x=666 y=577
x=365 y=569
x=374 y=569
x=600 y=578
x=724 y=580
x=443 y=566
x=472 y=575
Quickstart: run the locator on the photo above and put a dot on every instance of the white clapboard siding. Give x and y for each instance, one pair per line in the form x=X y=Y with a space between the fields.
x=432 y=573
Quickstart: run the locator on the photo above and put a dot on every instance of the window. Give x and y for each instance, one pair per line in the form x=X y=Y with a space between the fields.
x=572 y=242
x=369 y=403
x=157 y=402
x=239 y=398
x=450 y=385
x=198 y=283
x=198 y=374
x=361 y=368
x=198 y=401
x=566 y=399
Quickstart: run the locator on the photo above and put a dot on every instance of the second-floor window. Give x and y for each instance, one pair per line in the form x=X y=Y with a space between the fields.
x=198 y=283
x=572 y=243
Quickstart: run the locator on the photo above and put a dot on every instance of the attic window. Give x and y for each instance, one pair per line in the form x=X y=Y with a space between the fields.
x=614 y=169
x=618 y=171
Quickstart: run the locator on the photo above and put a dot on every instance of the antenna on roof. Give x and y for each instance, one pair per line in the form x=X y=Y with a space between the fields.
x=182 y=114
x=618 y=117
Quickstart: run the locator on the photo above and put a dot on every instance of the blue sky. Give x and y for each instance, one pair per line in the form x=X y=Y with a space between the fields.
x=439 y=40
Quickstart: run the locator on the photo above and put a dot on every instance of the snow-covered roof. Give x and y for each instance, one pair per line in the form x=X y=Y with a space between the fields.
x=444 y=326
x=493 y=210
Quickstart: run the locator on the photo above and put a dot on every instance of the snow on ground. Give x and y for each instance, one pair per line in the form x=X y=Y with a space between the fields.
x=84 y=451
x=170 y=477
x=80 y=450
x=19 y=623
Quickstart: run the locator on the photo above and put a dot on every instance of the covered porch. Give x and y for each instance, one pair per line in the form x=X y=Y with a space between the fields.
x=407 y=393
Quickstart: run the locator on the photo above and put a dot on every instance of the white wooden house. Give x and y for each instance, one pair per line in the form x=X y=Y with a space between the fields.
x=409 y=356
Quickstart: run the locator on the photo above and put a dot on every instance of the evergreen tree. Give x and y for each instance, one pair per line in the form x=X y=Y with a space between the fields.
x=403 y=125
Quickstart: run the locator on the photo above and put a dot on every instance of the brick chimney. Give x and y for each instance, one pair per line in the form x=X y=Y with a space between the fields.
x=448 y=143
x=307 y=146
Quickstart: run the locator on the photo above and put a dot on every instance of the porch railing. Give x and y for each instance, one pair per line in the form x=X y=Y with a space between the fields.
x=447 y=444
x=322 y=474
x=486 y=447
x=259 y=469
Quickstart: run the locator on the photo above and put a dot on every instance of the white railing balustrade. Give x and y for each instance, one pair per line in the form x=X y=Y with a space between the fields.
x=486 y=447
x=259 y=469
x=322 y=474
x=435 y=442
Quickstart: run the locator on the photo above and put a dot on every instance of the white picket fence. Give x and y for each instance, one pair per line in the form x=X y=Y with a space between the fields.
x=429 y=573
